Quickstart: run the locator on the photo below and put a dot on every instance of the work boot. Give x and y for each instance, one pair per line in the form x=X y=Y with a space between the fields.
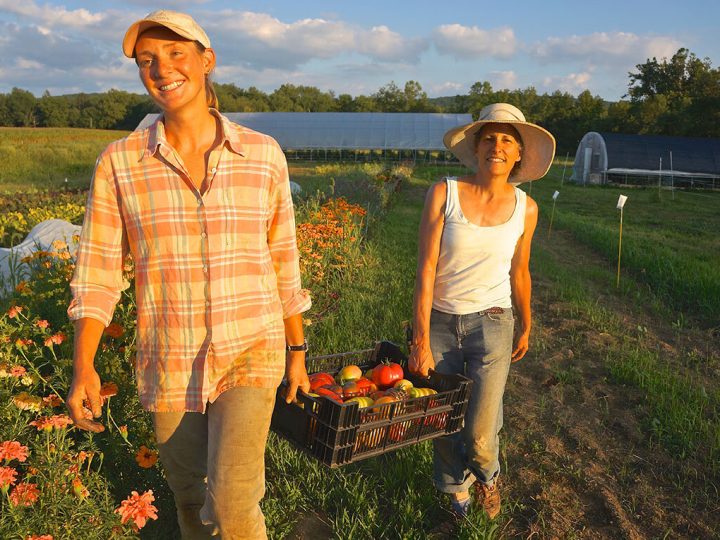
x=487 y=498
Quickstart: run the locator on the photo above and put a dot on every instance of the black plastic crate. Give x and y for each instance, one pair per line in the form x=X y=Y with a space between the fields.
x=337 y=434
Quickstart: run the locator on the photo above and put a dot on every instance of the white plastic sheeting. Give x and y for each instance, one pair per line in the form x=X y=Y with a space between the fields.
x=350 y=131
x=41 y=237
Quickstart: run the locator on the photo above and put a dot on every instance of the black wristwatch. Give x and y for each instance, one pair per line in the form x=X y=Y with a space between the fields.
x=303 y=347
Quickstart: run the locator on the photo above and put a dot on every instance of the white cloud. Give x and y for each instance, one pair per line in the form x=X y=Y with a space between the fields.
x=471 y=42
x=448 y=88
x=51 y=15
x=503 y=79
x=261 y=40
x=572 y=83
x=383 y=44
x=605 y=48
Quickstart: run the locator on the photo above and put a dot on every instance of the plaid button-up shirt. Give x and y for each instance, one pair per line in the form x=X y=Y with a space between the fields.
x=215 y=272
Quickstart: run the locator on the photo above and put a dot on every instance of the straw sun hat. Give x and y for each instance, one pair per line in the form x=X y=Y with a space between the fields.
x=538 y=145
x=180 y=23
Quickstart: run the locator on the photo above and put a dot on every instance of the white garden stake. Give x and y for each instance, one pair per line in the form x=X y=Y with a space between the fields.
x=620 y=205
x=552 y=214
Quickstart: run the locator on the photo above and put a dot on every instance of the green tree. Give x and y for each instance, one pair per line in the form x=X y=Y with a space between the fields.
x=20 y=106
x=52 y=111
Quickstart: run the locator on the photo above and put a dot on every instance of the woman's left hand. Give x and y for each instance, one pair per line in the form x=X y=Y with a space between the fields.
x=522 y=343
x=296 y=375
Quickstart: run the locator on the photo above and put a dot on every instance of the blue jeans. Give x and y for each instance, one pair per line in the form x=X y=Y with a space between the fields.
x=479 y=346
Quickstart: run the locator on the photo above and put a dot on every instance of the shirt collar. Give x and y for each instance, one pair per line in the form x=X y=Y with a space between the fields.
x=229 y=136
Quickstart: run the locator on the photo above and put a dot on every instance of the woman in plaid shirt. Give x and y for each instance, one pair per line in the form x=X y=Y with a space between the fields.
x=203 y=206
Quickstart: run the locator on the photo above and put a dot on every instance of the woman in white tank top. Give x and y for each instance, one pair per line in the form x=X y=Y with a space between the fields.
x=473 y=272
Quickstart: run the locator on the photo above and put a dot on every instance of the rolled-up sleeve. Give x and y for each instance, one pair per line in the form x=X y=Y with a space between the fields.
x=98 y=279
x=283 y=245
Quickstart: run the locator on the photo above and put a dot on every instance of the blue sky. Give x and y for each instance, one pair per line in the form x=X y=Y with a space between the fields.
x=356 y=47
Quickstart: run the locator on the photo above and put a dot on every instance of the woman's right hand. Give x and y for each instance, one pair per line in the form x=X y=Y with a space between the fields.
x=421 y=360
x=85 y=387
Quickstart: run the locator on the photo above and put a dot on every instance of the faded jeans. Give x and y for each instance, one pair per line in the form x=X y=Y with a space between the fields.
x=479 y=346
x=215 y=464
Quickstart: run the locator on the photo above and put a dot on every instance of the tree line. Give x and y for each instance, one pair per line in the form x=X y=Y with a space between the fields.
x=679 y=96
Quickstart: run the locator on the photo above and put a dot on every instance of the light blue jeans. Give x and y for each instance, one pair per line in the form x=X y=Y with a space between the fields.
x=479 y=346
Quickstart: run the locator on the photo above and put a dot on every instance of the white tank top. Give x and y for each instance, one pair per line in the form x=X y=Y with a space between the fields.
x=473 y=269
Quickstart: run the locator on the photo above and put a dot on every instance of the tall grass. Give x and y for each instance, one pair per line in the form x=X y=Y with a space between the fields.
x=45 y=157
x=670 y=243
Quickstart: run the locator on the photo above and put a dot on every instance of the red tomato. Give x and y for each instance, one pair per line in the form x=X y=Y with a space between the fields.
x=351 y=389
x=397 y=371
x=366 y=385
x=320 y=379
x=383 y=376
x=325 y=391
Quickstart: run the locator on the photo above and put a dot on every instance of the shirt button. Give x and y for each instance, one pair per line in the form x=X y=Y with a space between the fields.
x=205 y=268
x=203 y=234
x=213 y=170
x=207 y=303
x=199 y=201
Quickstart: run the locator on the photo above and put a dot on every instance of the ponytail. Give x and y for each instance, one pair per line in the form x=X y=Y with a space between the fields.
x=210 y=94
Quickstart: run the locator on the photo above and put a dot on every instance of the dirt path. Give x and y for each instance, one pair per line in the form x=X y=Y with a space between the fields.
x=579 y=464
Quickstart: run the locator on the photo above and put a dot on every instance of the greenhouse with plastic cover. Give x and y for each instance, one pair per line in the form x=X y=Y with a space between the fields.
x=664 y=161
x=353 y=136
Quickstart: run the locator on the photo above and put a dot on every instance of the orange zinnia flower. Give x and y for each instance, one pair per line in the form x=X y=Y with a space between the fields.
x=138 y=508
x=8 y=477
x=80 y=491
x=145 y=457
x=10 y=450
x=14 y=311
x=42 y=323
x=114 y=330
x=24 y=494
x=40 y=537
x=55 y=339
x=17 y=371
x=108 y=389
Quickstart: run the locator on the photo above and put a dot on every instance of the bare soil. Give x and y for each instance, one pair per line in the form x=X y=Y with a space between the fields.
x=579 y=462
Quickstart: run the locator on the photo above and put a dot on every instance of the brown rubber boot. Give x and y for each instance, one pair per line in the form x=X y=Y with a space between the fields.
x=487 y=498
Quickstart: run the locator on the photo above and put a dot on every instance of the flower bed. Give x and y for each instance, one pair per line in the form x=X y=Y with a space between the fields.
x=59 y=482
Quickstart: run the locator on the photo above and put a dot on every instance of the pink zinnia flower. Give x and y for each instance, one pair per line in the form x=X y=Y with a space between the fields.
x=52 y=400
x=40 y=537
x=24 y=494
x=138 y=508
x=59 y=421
x=42 y=323
x=8 y=477
x=55 y=339
x=14 y=311
x=10 y=450
x=17 y=371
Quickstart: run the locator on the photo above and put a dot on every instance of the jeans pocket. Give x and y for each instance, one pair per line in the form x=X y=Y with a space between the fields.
x=505 y=316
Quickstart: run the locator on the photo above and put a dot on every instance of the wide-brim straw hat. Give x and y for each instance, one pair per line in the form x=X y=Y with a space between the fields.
x=538 y=144
x=180 y=23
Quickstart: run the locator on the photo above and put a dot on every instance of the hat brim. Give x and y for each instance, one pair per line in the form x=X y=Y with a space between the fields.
x=132 y=34
x=537 y=153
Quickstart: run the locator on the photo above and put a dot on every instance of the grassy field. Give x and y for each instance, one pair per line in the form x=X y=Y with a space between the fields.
x=613 y=419
x=43 y=158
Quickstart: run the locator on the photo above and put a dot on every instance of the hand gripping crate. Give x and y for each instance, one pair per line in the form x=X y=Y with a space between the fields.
x=337 y=434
